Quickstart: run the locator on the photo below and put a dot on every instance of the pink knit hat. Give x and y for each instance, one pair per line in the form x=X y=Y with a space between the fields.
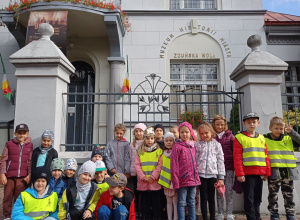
x=189 y=126
x=140 y=126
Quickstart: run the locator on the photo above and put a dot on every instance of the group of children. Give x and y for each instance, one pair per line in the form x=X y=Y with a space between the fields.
x=163 y=170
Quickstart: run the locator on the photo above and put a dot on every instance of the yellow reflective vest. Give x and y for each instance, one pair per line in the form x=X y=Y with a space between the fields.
x=39 y=208
x=149 y=161
x=253 y=150
x=165 y=173
x=281 y=153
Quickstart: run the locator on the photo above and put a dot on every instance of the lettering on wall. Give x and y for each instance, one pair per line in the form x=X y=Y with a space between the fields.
x=187 y=55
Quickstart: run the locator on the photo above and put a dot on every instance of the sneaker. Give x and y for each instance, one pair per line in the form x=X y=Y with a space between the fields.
x=220 y=217
x=7 y=219
x=230 y=217
x=290 y=217
x=275 y=216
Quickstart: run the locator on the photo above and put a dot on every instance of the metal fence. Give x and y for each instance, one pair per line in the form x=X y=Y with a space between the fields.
x=151 y=102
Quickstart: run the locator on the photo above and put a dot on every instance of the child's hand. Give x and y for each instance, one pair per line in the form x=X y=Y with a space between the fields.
x=265 y=178
x=150 y=179
x=3 y=179
x=241 y=178
x=288 y=128
x=221 y=182
x=113 y=171
x=87 y=214
x=146 y=179
x=27 y=178
x=106 y=176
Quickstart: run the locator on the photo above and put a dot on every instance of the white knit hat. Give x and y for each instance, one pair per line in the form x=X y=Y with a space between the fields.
x=88 y=167
x=169 y=134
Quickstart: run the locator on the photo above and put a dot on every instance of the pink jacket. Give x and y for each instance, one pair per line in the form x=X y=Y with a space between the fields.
x=143 y=186
x=133 y=153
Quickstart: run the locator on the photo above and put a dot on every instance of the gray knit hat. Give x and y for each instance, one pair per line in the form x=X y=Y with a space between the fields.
x=48 y=134
x=88 y=167
x=169 y=134
x=71 y=164
x=58 y=164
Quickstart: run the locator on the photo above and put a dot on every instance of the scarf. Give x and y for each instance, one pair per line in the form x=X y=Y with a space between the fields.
x=43 y=194
x=167 y=153
x=152 y=148
x=82 y=187
x=45 y=150
x=220 y=135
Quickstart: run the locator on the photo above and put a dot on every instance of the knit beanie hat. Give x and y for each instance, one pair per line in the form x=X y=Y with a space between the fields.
x=88 y=167
x=98 y=150
x=48 y=134
x=169 y=134
x=159 y=126
x=71 y=164
x=41 y=172
x=58 y=164
x=140 y=126
x=189 y=126
x=100 y=166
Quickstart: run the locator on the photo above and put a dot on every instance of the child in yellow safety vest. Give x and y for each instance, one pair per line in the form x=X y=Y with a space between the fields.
x=148 y=165
x=165 y=176
x=283 y=166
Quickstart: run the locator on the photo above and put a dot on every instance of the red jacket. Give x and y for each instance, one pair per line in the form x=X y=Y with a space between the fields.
x=106 y=199
x=16 y=159
x=240 y=169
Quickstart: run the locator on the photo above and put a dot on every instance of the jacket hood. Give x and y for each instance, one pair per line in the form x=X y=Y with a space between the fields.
x=32 y=191
x=27 y=140
x=183 y=143
x=123 y=139
x=129 y=195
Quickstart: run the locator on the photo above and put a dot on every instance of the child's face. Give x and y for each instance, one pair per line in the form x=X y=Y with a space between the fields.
x=138 y=134
x=149 y=141
x=205 y=134
x=185 y=133
x=159 y=133
x=21 y=136
x=100 y=176
x=69 y=173
x=251 y=124
x=175 y=132
x=84 y=178
x=169 y=142
x=40 y=185
x=46 y=142
x=56 y=174
x=119 y=134
x=97 y=157
x=219 y=126
x=277 y=130
x=115 y=190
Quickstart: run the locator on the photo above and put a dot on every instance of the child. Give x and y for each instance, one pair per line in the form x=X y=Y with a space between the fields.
x=117 y=158
x=118 y=202
x=251 y=161
x=225 y=137
x=283 y=167
x=165 y=176
x=183 y=171
x=100 y=176
x=56 y=182
x=39 y=201
x=79 y=201
x=45 y=153
x=15 y=167
x=148 y=165
x=159 y=135
x=174 y=130
x=138 y=132
x=210 y=167
x=97 y=154
x=69 y=172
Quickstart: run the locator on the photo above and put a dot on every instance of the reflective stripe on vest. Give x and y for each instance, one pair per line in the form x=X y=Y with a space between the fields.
x=253 y=150
x=281 y=153
x=39 y=208
x=149 y=161
x=165 y=173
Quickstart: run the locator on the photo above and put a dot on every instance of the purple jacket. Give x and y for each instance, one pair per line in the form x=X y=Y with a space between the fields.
x=227 y=145
x=183 y=165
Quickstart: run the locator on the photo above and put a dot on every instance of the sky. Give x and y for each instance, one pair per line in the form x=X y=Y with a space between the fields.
x=291 y=7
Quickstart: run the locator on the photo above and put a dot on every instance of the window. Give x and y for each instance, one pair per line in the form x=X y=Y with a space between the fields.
x=193 y=86
x=292 y=87
x=193 y=4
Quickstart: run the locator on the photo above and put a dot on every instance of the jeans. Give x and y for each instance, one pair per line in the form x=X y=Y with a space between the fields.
x=120 y=213
x=186 y=196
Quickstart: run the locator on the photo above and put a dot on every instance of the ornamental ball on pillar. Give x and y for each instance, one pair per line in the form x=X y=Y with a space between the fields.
x=46 y=30
x=254 y=42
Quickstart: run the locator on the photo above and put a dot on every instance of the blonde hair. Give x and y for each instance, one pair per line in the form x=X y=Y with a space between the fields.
x=219 y=117
x=206 y=125
x=196 y=135
x=276 y=121
x=120 y=127
x=141 y=149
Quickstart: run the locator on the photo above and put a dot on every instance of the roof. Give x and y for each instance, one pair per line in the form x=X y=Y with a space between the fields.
x=275 y=18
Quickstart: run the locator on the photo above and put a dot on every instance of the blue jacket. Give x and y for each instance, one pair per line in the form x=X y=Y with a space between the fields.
x=18 y=209
x=59 y=186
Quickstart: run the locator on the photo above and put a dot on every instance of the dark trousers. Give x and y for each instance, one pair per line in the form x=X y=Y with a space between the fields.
x=12 y=190
x=136 y=193
x=77 y=215
x=207 y=194
x=252 y=187
x=150 y=199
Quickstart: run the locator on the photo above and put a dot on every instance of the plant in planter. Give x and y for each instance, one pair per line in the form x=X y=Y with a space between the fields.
x=195 y=118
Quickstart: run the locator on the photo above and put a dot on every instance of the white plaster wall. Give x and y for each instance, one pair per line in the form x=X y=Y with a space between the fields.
x=242 y=4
